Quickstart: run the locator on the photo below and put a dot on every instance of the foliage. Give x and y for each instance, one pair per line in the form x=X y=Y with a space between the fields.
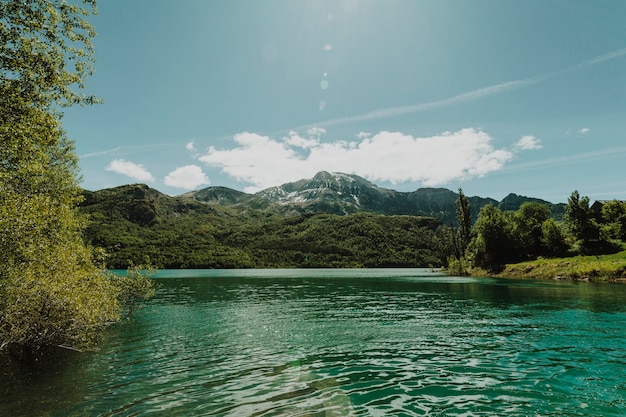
x=51 y=292
x=552 y=239
x=57 y=299
x=614 y=219
x=135 y=287
x=458 y=266
x=447 y=245
x=528 y=230
x=493 y=242
x=504 y=237
x=531 y=232
x=46 y=50
x=183 y=233
x=36 y=158
x=464 y=221
x=579 y=220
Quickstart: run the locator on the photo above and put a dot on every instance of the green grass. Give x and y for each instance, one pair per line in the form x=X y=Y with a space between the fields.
x=602 y=268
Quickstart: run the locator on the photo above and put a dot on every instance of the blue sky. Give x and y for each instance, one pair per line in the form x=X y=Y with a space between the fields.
x=492 y=96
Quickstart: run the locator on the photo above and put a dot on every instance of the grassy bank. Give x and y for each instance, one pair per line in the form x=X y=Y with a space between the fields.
x=603 y=268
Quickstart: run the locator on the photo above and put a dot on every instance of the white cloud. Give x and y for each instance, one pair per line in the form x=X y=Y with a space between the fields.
x=316 y=132
x=363 y=135
x=294 y=139
x=191 y=148
x=258 y=160
x=187 y=177
x=386 y=156
x=130 y=169
x=527 y=143
x=584 y=130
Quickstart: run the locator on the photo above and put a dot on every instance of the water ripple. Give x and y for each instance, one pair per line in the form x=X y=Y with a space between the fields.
x=330 y=346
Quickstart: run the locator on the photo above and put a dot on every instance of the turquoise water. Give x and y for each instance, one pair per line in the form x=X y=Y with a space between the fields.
x=400 y=342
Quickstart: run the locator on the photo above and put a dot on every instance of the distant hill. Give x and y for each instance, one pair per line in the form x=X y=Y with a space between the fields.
x=139 y=204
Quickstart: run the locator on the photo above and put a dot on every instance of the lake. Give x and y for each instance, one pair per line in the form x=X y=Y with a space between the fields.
x=373 y=342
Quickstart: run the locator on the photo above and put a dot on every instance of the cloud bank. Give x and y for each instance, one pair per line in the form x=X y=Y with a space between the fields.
x=386 y=156
x=130 y=169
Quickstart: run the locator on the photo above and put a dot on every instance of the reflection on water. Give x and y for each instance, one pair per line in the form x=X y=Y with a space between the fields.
x=345 y=342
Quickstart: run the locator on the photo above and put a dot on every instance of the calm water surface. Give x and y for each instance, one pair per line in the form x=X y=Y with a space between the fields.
x=341 y=343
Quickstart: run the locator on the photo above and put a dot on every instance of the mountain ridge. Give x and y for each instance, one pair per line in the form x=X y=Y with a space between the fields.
x=330 y=193
x=344 y=194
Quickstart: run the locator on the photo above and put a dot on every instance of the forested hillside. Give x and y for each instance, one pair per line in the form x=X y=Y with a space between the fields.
x=134 y=222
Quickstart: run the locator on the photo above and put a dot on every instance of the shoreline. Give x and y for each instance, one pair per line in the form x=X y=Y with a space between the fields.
x=602 y=268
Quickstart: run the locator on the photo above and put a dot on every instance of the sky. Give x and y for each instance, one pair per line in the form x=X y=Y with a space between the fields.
x=494 y=97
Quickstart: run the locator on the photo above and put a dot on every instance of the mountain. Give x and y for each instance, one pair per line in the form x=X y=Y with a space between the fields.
x=139 y=204
x=514 y=201
x=344 y=194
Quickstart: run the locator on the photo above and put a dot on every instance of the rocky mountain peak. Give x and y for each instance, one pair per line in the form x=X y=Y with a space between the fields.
x=323 y=186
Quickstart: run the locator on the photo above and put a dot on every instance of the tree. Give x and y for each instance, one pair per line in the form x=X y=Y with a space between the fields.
x=552 y=239
x=578 y=219
x=584 y=230
x=492 y=245
x=464 y=220
x=528 y=228
x=614 y=218
x=46 y=51
x=51 y=292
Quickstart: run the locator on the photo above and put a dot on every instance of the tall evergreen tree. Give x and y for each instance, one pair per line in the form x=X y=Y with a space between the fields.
x=464 y=220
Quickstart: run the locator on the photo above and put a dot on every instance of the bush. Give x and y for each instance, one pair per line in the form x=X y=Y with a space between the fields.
x=134 y=287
